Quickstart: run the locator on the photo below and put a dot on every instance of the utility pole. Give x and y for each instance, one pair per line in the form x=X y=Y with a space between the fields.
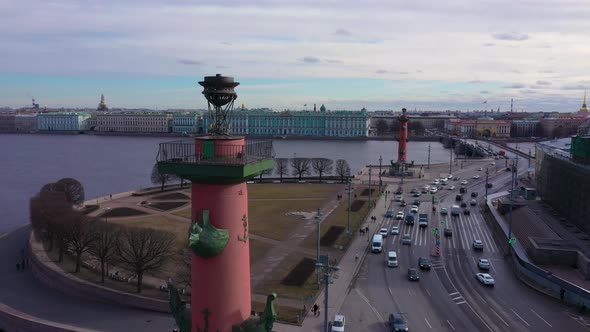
x=486 y=196
x=529 y=168
x=317 y=218
x=514 y=177
x=380 y=181
x=370 y=193
x=348 y=186
x=328 y=270
x=429 y=155
x=450 y=159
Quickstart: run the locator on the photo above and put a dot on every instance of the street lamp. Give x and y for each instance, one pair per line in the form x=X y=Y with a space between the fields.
x=380 y=181
x=349 y=187
x=328 y=270
x=106 y=214
x=513 y=179
x=318 y=220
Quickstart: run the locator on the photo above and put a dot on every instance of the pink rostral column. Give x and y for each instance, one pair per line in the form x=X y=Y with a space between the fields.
x=403 y=137
x=221 y=284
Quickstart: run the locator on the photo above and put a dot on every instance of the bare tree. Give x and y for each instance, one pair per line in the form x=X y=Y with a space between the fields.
x=265 y=172
x=159 y=177
x=47 y=209
x=281 y=167
x=73 y=189
x=81 y=234
x=381 y=126
x=300 y=166
x=143 y=250
x=322 y=166
x=183 y=260
x=342 y=169
x=104 y=248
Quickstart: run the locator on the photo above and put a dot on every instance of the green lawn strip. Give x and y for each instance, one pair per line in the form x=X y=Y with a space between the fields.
x=339 y=217
x=272 y=281
x=270 y=219
x=265 y=191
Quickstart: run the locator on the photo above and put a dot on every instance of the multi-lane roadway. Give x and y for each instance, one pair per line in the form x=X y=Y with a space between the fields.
x=448 y=297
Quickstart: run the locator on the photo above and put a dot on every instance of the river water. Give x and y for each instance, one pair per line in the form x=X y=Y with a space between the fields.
x=112 y=164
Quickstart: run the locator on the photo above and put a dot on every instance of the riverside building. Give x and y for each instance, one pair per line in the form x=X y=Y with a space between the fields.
x=62 y=121
x=134 y=122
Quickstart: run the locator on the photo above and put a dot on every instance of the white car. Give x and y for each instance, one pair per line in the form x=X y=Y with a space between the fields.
x=451 y=187
x=450 y=176
x=485 y=279
x=476 y=176
x=414 y=209
x=464 y=182
x=383 y=232
x=395 y=230
x=483 y=264
x=444 y=179
x=477 y=245
x=433 y=190
x=436 y=182
x=399 y=215
x=444 y=211
x=426 y=187
x=480 y=169
x=493 y=163
x=338 y=323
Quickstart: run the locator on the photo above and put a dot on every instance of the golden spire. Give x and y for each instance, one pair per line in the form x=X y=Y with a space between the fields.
x=584 y=107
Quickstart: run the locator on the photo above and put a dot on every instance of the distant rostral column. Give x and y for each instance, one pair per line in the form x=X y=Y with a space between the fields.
x=218 y=166
x=402 y=149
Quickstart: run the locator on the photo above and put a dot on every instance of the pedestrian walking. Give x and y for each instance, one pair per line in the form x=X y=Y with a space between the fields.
x=562 y=293
x=111 y=196
x=17 y=266
x=356 y=257
x=367 y=229
x=22 y=264
x=315 y=309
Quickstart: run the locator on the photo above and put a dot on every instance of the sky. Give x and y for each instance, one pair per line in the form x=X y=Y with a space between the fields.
x=377 y=54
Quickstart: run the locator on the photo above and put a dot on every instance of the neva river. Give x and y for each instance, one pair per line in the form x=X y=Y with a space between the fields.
x=112 y=164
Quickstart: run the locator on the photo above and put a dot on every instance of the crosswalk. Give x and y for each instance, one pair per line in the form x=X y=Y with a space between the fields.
x=466 y=228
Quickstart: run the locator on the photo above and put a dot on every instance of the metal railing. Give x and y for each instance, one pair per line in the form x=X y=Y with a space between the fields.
x=184 y=152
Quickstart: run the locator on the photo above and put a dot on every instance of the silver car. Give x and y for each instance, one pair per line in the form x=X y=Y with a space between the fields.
x=407 y=239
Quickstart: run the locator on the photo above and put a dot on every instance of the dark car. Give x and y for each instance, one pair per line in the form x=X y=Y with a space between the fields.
x=402 y=203
x=416 y=202
x=463 y=204
x=413 y=274
x=467 y=212
x=489 y=185
x=417 y=194
x=459 y=197
x=414 y=190
x=448 y=232
x=462 y=190
x=424 y=263
x=397 y=323
x=474 y=194
x=398 y=192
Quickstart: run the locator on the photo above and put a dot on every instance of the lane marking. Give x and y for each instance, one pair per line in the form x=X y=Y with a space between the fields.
x=427 y=322
x=503 y=321
x=534 y=312
x=481 y=297
x=481 y=319
x=462 y=303
x=517 y=315
x=458 y=297
x=428 y=293
x=409 y=292
x=451 y=325
x=369 y=304
x=455 y=293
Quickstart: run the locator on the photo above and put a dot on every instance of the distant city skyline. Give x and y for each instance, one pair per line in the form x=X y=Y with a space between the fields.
x=347 y=55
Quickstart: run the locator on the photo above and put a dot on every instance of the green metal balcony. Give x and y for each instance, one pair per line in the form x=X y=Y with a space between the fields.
x=215 y=164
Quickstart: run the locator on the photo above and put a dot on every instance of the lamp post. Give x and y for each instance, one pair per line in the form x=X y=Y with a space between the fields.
x=106 y=214
x=450 y=159
x=370 y=171
x=512 y=184
x=348 y=186
x=317 y=218
x=486 y=196
x=328 y=270
x=428 y=167
x=380 y=181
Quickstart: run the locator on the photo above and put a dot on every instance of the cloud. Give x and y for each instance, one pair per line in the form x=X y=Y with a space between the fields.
x=543 y=83
x=484 y=92
x=515 y=36
x=333 y=61
x=190 y=62
x=574 y=87
x=489 y=44
x=309 y=59
x=475 y=82
x=514 y=86
x=547 y=71
x=381 y=71
x=343 y=32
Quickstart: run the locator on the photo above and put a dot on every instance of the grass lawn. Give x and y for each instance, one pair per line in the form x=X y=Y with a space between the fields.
x=293 y=190
x=339 y=217
x=272 y=282
x=269 y=219
x=161 y=222
x=166 y=206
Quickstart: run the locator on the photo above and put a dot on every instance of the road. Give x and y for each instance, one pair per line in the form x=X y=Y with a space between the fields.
x=448 y=297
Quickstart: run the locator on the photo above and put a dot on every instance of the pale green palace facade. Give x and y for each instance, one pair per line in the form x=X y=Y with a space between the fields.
x=301 y=123
x=62 y=121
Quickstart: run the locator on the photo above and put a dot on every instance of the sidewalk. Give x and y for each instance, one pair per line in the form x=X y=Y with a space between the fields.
x=348 y=269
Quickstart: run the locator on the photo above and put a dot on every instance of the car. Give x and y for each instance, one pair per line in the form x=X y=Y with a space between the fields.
x=450 y=176
x=464 y=182
x=476 y=176
x=398 y=192
x=508 y=169
x=425 y=190
x=407 y=239
x=414 y=190
x=474 y=194
x=399 y=215
x=338 y=323
x=383 y=232
x=463 y=204
x=444 y=211
x=473 y=202
x=414 y=209
x=436 y=181
x=493 y=163
x=433 y=190
x=483 y=264
x=451 y=187
x=389 y=214
x=458 y=197
x=444 y=179
x=402 y=203
x=480 y=169
x=485 y=279
x=416 y=202
x=424 y=263
x=462 y=190
x=467 y=212
x=397 y=323
x=395 y=230
x=413 y=274
x=439 y=187
x=489 y=185
x=398 y=198
x=448 y=232
x=477 y=245
x=417 y=194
